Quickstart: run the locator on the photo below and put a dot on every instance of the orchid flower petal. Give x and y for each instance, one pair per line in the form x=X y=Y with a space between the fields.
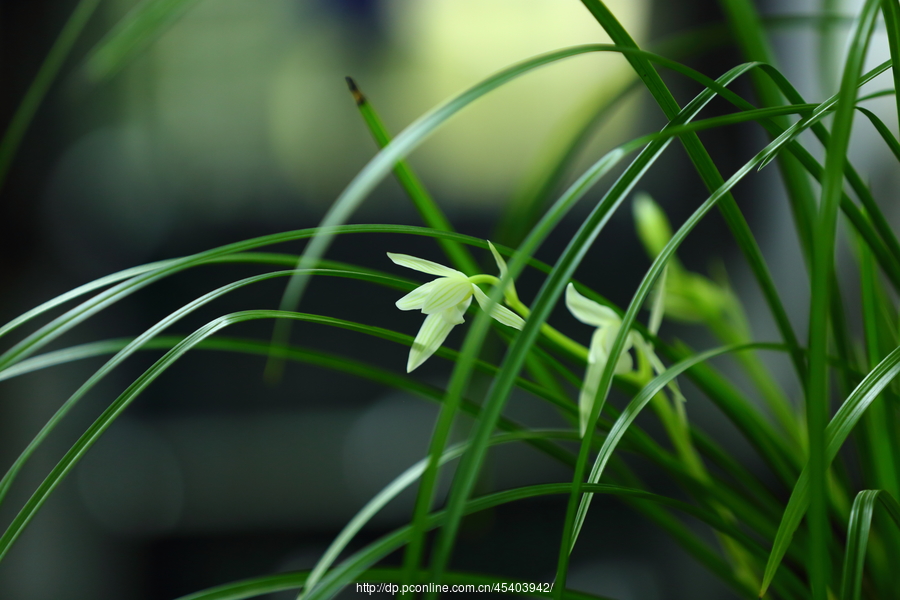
x=587 y=311
x=415 y=300
x=424 y=266
x=447 y=292
x=589 y=392
x=455 y=314
x=624 y=364
x=498 y=312
x=658 y=308
x=431 y=335
x=501 y=264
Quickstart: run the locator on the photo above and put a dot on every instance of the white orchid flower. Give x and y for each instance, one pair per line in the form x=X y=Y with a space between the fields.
x=608 y=324
x=444 y=301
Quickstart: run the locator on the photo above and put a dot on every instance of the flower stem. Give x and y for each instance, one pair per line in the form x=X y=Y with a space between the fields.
x=512 y=300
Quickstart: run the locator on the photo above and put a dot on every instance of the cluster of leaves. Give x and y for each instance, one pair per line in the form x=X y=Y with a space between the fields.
x=756 y=530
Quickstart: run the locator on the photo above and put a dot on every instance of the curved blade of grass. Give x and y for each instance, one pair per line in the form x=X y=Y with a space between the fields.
x=891 y=12
x=805 y=209
x=627 y=320
x=133 y=347
x=876 y=440
x=823 y=264
x=525 y=211
x=524 y=334
x=624 y=421
x=378 y=168
x=641 y=442
x=351 y=568
x=707 y=171
x=45 y=77
x=877 y=232
x=883 y=131
x=393 y=489
x=239 y=253
x=79 y=291
x=746 y=24
x=444 y=425
x=878 y=221
x=836 y=433
x=858 y=536
x=137 y=30
x=105 y=420
x=140 y=277
x=428 y=209
x=467 y=472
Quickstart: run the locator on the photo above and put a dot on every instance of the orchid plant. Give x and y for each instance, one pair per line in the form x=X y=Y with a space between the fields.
x=791 y=513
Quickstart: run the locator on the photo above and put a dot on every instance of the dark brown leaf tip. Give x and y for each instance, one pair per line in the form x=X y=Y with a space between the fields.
x=357 y=95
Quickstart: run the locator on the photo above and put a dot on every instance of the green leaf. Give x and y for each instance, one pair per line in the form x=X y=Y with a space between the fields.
x=134 y=279
x=385 y=161
x=823 y=263
x=138 y=29
x=858 y=536
x=133 y=347
x=400 y=483
x=428 y=209
x=352 y=568
x=836 y=433
x=883 y=131
x=45 y=77
x=467 y=472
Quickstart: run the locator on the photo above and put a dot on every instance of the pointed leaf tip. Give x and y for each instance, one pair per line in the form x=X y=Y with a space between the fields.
x=357 y=95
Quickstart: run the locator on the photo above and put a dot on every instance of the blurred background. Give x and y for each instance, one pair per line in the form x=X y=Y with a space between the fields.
x=235 y=122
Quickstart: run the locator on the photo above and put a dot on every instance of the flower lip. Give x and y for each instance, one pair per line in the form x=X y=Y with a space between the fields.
x=448 y=292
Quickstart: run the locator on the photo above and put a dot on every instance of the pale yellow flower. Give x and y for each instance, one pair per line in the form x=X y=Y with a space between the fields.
x=444 y=301
x=607 y=324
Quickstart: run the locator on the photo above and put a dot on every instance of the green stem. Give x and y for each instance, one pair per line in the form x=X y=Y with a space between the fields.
x=431 y=213
x=554 y=335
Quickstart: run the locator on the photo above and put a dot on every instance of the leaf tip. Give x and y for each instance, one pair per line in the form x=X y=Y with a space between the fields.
x=357 y=95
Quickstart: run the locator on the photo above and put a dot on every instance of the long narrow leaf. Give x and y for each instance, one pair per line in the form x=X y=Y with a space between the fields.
x=45 y=77
x=858 y=536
